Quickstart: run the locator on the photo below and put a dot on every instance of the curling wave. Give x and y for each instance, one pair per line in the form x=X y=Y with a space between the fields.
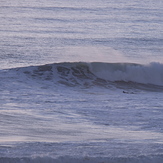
x=99 y=73
x=130 y=72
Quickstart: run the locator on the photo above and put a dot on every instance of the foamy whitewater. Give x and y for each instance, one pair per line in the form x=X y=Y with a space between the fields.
x=81 y=81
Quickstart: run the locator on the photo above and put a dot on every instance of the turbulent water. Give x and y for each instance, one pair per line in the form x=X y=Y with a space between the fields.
x=81 y=81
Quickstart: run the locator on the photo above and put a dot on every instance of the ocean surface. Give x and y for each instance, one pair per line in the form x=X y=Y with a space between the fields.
x=81 y=81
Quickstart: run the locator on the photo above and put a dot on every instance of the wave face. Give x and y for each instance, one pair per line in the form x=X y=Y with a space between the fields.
x=128 y=72
x=128 y=75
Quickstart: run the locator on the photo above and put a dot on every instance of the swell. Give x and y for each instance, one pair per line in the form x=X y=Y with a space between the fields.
x=122 y=75
x=144 y=159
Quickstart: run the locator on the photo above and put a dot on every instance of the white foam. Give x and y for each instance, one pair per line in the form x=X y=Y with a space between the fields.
x=151 y=73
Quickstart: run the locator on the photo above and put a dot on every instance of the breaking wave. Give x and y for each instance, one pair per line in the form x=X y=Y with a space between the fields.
x=99 y=73
x=128 y=72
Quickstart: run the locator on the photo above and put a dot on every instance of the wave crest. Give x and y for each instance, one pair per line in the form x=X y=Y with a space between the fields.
x=99 y=73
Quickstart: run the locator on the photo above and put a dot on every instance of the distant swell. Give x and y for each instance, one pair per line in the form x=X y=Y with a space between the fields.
x=99 y=74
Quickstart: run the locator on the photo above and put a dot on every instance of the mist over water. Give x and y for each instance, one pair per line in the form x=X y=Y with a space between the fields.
x=40 y=33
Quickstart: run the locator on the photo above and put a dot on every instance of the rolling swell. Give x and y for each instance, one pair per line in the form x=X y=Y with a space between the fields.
x=121 y=75
x=141 y=159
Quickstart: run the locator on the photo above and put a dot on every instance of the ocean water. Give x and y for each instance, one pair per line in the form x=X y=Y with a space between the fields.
x=81 y=81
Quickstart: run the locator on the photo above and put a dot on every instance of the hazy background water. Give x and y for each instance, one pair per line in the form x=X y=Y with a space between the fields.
x=39 y=32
